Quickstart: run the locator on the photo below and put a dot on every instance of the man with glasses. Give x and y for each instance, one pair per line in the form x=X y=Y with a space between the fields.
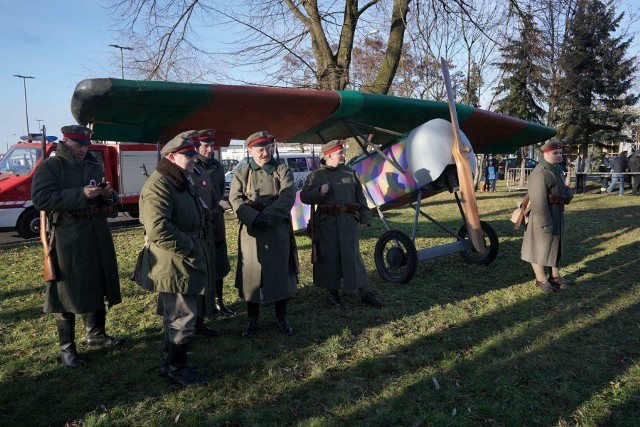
x=262 y=194
x=175 y=260
x=341 y=210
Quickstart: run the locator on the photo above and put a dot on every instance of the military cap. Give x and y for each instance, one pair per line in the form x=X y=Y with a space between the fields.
x=181 y=144
x=77 y=133
x=551 y=145
x=207 y=135
x=258 y=139
x=332 y=146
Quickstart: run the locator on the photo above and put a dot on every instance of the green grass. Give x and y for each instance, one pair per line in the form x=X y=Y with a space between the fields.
x=459 y=345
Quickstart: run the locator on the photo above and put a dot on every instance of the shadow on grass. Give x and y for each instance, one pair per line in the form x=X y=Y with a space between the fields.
x=516 y=357
x=544 y=356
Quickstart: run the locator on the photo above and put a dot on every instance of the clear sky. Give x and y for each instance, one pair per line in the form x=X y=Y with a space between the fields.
x=59 y=43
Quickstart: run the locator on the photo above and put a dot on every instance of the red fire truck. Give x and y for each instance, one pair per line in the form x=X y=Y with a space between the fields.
x=126 y=166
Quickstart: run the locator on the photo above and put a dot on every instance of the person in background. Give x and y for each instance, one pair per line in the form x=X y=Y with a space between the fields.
x=634 y=166
x=72 y=185
x=618 y=168
x=582 y=167
x=205 y=143
x=605 y=167
x=175 y=261
x=491 y=173
x=262 y=194
x=542 y=245
x=341 y=210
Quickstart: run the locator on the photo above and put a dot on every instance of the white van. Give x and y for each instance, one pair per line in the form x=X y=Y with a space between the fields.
x=301 y=164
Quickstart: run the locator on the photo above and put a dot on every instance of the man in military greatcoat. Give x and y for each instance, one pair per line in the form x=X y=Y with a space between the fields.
x=175 y=260
x=205 y=143
x=72 y=187
x=582 y=166
x=542 y=245
x=341 y=210
x=262 y=194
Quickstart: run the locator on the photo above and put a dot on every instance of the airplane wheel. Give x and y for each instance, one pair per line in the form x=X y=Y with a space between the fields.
x=491 y=243
x=396 y=257
x=28 y=225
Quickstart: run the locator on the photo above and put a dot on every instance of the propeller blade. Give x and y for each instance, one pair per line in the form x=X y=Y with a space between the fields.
x=461 y=152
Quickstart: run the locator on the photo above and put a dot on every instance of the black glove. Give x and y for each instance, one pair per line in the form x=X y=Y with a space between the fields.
x=261 y=221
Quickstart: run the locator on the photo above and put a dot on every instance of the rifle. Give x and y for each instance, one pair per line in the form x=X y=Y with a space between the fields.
x=311 y=232
x=46 y=237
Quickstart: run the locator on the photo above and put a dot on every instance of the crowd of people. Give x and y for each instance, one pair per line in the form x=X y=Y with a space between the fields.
x=622 y=169
x=184 y=258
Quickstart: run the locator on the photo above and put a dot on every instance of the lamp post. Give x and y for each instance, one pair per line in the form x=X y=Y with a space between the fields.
x=121 y=56
x=24 y=84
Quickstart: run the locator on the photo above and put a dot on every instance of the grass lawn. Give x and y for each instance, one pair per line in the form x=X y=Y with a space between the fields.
x=459 y=345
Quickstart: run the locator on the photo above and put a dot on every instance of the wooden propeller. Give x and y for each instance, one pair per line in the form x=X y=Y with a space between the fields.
x=461 y=152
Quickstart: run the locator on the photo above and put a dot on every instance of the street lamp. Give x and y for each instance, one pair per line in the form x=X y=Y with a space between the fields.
x=26 y=110
x=121 y=56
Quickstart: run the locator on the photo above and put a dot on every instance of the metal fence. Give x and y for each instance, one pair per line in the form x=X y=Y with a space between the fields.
x=513 y=179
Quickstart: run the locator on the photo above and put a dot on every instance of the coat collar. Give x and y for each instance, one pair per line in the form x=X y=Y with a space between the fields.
x=268 y=168
x=63 y=152
x=174 y=174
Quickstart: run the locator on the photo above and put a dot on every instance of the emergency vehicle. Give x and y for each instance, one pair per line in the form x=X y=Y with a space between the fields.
x=126 y=166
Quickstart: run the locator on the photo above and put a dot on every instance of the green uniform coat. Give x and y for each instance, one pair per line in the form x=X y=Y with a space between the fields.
x=336 y=236
x=542 y=243
x=175 y=261
x=264 y=274
x=84 y=254
x=216 y=172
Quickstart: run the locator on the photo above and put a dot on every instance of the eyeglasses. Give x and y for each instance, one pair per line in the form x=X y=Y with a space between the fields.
x=262 y=150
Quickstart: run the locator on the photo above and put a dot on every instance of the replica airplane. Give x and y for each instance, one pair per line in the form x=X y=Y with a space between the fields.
x=412 y=148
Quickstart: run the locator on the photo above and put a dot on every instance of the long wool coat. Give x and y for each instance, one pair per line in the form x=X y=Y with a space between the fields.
x=264 y=272
x=175 y=261
x=84 y=255
x=216 y=172
x=337 y=239
x=542 y=243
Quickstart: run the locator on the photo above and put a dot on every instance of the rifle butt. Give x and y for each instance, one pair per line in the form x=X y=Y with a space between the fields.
x=49 y=265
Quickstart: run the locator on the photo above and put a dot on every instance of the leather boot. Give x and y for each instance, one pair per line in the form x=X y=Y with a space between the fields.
x=220 y=308
x=178 y=371
x=202 y=329
x=164 y=354
x=66 y=334
x=251 y=328
x=94 y=323
x=281 y=315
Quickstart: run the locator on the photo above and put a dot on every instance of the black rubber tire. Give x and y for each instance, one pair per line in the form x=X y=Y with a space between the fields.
x=396 y=263
x=491 y=242
x=28 y=225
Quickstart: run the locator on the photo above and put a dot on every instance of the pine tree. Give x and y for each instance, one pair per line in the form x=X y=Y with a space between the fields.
x=523 y=81
x=596 y=79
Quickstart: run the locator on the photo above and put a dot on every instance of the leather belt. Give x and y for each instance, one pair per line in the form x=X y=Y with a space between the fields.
x=556 y=199
x=337 y=209
x=105 y=211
